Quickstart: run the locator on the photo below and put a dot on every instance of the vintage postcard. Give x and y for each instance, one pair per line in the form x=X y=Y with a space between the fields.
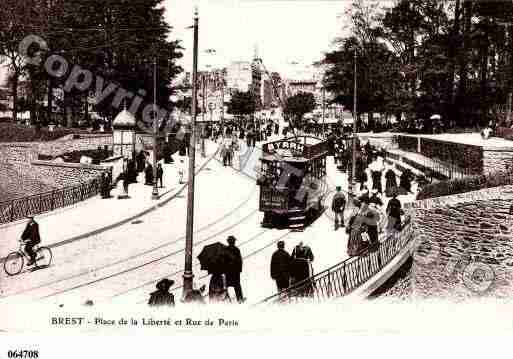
x=176 y=167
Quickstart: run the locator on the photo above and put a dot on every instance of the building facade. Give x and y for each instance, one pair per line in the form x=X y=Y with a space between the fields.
x=239 y=76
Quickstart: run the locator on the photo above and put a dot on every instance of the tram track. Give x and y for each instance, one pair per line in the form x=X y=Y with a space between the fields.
x=252 y=253
x=155 y=260
x=153 y=249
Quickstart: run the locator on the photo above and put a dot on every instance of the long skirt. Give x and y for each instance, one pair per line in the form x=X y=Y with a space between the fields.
x=390 y=186
x=355 y=244
x=376 y=181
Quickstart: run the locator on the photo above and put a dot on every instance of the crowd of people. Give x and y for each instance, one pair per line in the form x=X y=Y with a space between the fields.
x=370 y=171
x=286 y=270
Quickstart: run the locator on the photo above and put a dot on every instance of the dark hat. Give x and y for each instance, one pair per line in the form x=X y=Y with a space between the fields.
x=231 y=239
x=338 y=188
x=281 y=244
x=165 y=284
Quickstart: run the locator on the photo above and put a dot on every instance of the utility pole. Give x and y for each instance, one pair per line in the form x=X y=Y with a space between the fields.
x=323 y=117
x=222 y=108
x=353 y=164
x=187 y=274
x=203 y=154
x=155 y=192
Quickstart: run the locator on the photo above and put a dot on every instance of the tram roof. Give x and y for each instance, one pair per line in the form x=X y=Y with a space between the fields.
x=294 y=149
x=271 y=158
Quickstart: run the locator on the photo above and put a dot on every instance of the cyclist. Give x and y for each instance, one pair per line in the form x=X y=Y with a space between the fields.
x=31 y=238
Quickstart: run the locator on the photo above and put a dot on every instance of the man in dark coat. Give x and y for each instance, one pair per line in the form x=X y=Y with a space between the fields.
x=233 y=274
x=148 y=175
x=162 y=296
x=280 y=267
x=160 y=174
x=31 y=237
x=394 y=213
x=338 y=205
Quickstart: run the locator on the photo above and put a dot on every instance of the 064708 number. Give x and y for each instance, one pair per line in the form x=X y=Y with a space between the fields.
x=22 y=354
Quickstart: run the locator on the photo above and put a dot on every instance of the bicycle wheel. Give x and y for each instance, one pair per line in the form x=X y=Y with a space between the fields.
x=43 y=257
x=13 y=263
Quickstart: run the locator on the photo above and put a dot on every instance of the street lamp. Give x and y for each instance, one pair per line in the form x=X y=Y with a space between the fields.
x=187 y=274
x=155 y=192
x=353 y=164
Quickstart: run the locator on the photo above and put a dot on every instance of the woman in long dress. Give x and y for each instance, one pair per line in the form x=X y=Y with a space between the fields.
x=391 y=182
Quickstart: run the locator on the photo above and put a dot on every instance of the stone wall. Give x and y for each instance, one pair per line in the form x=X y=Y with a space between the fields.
x=464 y=245
x=85 y=142
x=497 y=160
x=65 y=174
x=18 y=152
x=16 y=182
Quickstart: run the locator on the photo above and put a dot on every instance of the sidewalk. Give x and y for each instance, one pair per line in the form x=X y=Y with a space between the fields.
x=96 y=215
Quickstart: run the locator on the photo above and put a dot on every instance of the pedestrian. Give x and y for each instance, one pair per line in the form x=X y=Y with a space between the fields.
x=280 y=267
x=370 y=217
x=391 y=182
x=302 y=256
x=148 y=178
x=233 y=273
x=394 y=214
x=141 y=160
x=162 y=296
x=31 y=238
x=355 y=245
x=126 y=182
x=103 y=185
x=217 y=288
x=376 y=180
x=405 y=180
x=338 y=205
x=160 y=175
x=375 y=199
x=181 y=171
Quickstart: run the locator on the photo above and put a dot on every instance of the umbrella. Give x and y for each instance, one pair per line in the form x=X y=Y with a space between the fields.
x=216 y=258
x=435 y=117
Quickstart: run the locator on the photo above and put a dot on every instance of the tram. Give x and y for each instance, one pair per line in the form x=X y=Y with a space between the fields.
x=292 y=181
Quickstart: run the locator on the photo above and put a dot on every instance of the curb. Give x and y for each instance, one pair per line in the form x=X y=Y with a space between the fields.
x=131 y=218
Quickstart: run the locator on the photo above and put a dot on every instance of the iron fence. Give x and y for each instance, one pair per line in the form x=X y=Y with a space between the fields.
x=19 y=208
x=345 y=277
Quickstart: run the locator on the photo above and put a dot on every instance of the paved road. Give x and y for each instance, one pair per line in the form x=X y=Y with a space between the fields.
x=122 y=265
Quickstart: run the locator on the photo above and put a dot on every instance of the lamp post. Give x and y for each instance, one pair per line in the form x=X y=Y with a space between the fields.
x=353 y=164
x=187 y=274
x=155 y=192
x=323 y=114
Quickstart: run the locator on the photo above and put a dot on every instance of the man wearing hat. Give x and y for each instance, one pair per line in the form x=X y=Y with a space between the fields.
x=31 y=237
x=233 y=273
x=280 y=267
x=162 y=296
x=338 y=205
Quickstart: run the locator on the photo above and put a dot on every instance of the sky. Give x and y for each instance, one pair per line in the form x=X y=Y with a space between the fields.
x=285 y=32
x=289 y=34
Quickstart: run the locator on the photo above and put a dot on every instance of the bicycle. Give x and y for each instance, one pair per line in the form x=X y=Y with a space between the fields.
x=15 y=261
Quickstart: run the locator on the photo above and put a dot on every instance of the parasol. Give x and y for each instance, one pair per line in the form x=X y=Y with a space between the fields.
x=435 y=117
x=216 y=258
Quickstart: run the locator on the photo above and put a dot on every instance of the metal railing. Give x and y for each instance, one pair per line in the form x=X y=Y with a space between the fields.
x=19 y=208
x=448 y=159
x=345 y=277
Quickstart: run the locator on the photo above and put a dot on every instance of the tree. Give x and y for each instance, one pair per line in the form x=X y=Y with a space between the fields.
x=242 y=103
x=18 y=18
x=298 y=105
x=120 y=42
